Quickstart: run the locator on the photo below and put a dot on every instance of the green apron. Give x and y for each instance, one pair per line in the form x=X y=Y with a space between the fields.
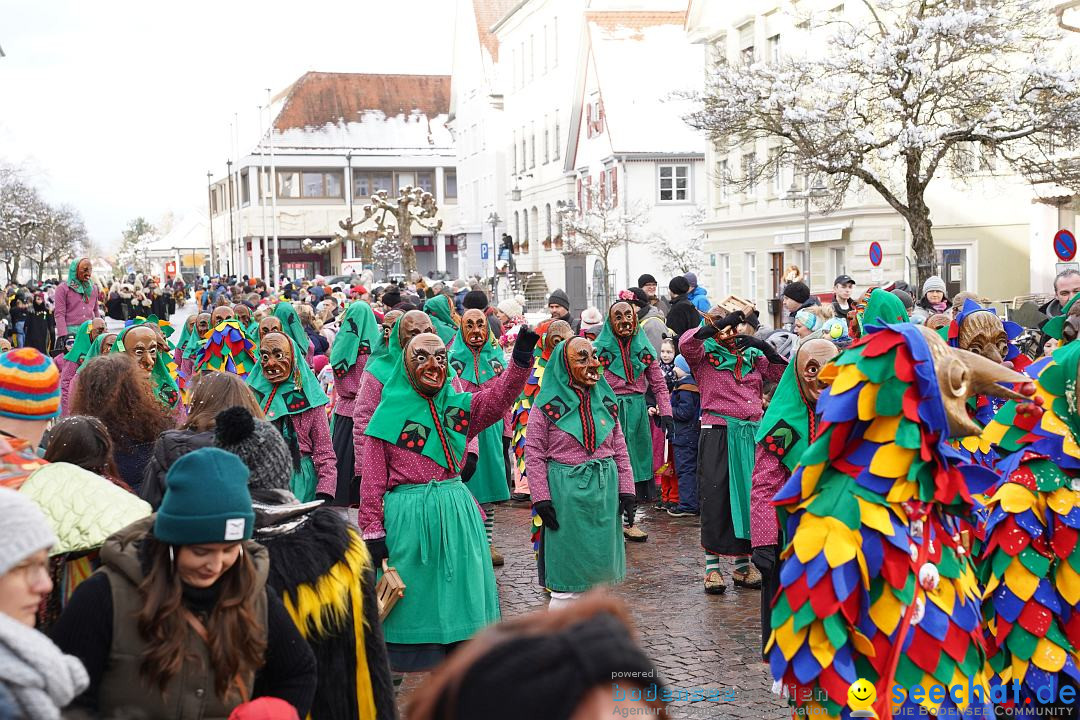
x=436 y=541
x=634 y=420
x=740 y=445
x=587 y=549
x=304 y=479
x=488 y=483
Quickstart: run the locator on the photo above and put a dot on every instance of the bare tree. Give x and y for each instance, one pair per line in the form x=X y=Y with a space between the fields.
x=601 y=227
x=685 y=253
x=889 y=102
x=412 y=206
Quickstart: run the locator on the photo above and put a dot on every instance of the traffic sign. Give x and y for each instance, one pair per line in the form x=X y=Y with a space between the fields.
x=483 y=251
x=875 y=253
x=1065 y=245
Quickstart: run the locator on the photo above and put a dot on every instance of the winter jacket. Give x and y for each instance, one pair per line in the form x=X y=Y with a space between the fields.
x=82 y=507
x=318 y=342
x=131 y=459
x=686 y=410
x=682 y=316
x=72 y=309
x=169 y=447
x=700 y=298
x=653 y=322
x=111 y=652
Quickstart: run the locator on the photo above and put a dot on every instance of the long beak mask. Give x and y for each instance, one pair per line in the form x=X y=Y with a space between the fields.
x=962 y=374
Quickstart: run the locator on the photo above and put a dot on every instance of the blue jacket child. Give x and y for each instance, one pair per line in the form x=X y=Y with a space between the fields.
x=686 y=409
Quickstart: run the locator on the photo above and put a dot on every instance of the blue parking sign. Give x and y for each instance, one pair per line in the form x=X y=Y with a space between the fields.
x=483 y=251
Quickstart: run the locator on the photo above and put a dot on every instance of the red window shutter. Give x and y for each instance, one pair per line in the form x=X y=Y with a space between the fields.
x=579 y=205
x=588 y=120
x=588 y=192
x=614 y=174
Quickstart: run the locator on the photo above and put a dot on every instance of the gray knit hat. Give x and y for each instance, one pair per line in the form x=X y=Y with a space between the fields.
x=258 y=444
x=23 y=529
x=933 y=283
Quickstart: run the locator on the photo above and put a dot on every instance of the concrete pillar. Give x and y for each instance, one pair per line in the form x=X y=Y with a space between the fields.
x=440 y=252
x=440 y=186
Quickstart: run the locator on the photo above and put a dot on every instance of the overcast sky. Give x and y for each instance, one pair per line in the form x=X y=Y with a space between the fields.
x=119 y=107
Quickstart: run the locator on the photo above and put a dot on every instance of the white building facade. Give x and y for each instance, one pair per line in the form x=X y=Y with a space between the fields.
x=337 y=139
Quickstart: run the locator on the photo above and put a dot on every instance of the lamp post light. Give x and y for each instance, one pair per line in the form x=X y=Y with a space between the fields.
x=493 y=220
x=795 y=194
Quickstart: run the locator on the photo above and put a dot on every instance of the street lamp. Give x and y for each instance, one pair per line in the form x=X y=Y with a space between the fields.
x=795 y=194
x=493 y=220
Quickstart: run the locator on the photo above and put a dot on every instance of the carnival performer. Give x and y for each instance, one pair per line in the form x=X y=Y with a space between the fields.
x=630 y=368
x=876 y=580
x=580 y=473
x=1030 y=551
x=444 y=316
x=268 y=324
x=143 y=343
x=786 y=430
x=414 y=508
x=291 y=398
x=250 y=327
x=193 y=345
x=87 y=333
x=477 y=360
x=76 y=300
x=730 y=371
x=322 y=570
x=359 y=337
x=227 y=349
x=291 y=326
x=185 y=335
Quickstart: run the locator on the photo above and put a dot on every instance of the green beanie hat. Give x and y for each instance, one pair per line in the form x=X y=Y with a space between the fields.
x=206 y=500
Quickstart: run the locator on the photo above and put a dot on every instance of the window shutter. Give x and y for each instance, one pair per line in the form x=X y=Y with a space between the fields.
x=614 y=186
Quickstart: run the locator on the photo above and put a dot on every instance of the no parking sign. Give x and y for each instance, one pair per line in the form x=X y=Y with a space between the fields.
x=1065 y=245
x=875 y=253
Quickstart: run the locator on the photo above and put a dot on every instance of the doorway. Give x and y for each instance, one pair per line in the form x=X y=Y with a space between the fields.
x=954 y=270
x=776 y=279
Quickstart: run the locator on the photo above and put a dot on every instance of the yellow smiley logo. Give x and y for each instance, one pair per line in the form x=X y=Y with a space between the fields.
x=861 y=696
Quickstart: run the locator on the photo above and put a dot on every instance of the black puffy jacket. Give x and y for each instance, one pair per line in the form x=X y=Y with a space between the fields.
x=169 y=447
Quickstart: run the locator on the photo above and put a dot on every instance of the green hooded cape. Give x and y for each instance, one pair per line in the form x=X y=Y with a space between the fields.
x=78 y=351
x=628 y=360
x=785 y=428
x=165 y=386
x=587 y=415
x=95 y=349
x=83 y=287
x=476 y=367
x=438 y=308
x=883 y=307
x=721 y=357
x=290 y=323
x=1055 y=326
x=360 y=334
x=385 y=359
x=290 y=397
x=435 y=427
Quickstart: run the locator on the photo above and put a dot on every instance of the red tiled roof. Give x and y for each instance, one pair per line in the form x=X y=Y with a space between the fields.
x=489 y=12
x=318 y=98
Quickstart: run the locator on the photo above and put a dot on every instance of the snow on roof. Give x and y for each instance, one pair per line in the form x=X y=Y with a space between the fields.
x=355 y=110
x=641 y=58
x=190 y=232
x=489 y=12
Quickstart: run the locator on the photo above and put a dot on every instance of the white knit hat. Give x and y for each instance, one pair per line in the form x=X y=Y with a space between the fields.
x=510 y=307
x=23 y=529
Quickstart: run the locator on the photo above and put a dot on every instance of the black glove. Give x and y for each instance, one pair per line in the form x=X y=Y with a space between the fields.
x=707 y=330
x=325 y=497
x=523 y=347
x=469 y=467
x=546 y=511
x=377 y=549
x=668 y=424
x=627 y=504
x=749 y=341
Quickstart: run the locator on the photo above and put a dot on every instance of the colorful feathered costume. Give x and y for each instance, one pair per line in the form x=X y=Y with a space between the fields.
x=1031 y=561
x=227 y=350
x=876 y=581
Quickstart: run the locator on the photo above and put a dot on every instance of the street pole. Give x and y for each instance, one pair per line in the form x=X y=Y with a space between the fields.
x=241 y=243
x=806 y=237
x=273 y=193
x=210 y=212
x=232 y=230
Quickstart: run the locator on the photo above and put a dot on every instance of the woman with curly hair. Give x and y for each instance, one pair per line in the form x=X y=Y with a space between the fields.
x=113 y=389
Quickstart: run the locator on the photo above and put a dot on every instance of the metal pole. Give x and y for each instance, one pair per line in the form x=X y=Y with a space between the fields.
x=232 y=231
x=806 y=237
x=210 y=212
x=494 y=266
x=241 y=243
x=273 y=194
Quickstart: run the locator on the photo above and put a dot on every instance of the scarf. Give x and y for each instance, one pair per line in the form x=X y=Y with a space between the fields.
x=291 y=326
x=360 y=334
x=436 y=427
x=438 y=308
x=83 y=287
x=588 y=415
x=40 y=678
x=725 y=355
x=82 y=344
x=165 y=387
x=788 y=426
x=627 y=358
x=476 y=366
x=290 y=397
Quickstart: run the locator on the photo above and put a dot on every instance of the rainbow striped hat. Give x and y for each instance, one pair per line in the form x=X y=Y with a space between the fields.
x=29 y=385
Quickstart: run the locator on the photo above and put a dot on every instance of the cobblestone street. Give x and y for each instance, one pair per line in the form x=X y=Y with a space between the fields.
x=696 y=640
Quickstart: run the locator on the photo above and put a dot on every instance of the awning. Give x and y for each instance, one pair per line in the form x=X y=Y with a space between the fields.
x=817 y=234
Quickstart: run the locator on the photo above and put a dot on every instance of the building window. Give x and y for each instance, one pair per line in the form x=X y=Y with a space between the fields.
x=777 y=188
x=725 y=274
x=525 y=225
x=722 y=181
x=749 y=163
x=746 y=43
x=309 y=184
x=674 y=183
x=245 y=188
x=588 y=192
x=718 y=52
x=613 y=181
x=513 y=151
x=513 y=68
x=524 y=156
x=837 y=261
x=521 y=53
x=517 y=225
x=545 y=65
x=535 y=229
x=368 y=182
x=530 y=58
x=450 y=193
x=773 y=48
x=532 y=146
x=383 y=181
x=547 y=142
x=555 y=44
x=425 y=179
x=751 y=275
x=555 y=148
x=547 y=218
x=288 y=184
